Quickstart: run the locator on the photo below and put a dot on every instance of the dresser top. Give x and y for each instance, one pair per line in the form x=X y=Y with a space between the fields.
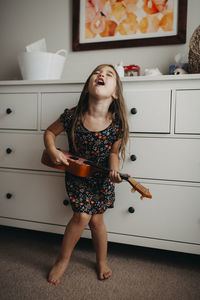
x=124 y=79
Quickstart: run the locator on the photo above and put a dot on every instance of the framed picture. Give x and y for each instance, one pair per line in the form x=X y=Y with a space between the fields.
x=106 y=24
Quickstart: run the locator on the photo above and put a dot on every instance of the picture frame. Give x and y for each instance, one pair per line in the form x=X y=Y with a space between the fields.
x=80 y=43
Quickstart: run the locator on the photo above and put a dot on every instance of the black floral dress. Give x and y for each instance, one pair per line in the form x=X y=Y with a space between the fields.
x=91 y=195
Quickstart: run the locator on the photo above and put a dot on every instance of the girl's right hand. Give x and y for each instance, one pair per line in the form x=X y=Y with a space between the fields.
x=57 y=157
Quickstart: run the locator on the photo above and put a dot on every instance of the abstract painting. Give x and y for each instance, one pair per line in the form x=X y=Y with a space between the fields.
x=104 y=24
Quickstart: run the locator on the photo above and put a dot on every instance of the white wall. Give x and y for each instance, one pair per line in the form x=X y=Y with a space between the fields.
x=25 y=21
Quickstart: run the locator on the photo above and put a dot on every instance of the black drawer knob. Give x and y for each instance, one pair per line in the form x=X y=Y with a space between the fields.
x=66 y=202
x=8 y=150
x=8 y=195
x=8 y=111
x=131 y=210
x=133 y=157
x=133 y=111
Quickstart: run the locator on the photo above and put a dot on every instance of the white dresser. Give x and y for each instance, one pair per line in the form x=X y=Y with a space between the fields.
x=163 y=154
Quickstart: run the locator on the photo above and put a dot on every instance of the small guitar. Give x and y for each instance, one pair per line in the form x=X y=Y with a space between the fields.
x=84 y=168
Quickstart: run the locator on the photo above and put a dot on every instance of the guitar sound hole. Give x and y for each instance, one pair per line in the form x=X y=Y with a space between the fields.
x=74 y=157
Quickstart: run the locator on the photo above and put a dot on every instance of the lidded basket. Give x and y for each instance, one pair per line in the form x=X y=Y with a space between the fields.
x=194 y=52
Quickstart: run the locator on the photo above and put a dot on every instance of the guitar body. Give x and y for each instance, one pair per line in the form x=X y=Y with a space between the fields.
x=77 y=165
x=84 y=168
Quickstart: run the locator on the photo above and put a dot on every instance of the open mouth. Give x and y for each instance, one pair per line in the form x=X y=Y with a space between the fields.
x=100 y=82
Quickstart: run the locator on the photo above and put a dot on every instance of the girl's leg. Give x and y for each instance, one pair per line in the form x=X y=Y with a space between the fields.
x=72 y=234
x=99 y=236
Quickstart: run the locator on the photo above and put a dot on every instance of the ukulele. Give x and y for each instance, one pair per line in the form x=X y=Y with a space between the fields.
x=84 y=168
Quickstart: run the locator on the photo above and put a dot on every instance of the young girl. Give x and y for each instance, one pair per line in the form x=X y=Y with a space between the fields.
x=97 y=130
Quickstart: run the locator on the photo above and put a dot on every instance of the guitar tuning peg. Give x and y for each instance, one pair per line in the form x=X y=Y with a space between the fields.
x=141 y=197
x=133 y=190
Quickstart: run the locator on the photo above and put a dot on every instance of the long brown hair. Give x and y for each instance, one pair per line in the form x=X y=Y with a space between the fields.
x=117 y=107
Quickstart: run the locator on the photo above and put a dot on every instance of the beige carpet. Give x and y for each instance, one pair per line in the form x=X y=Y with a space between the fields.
x=138 y=273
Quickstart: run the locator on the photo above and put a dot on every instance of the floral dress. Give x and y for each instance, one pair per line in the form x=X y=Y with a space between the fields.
x=91 y=195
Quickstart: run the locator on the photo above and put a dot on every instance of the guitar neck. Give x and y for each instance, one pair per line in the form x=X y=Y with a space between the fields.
x=106 y=170
x=136 y=185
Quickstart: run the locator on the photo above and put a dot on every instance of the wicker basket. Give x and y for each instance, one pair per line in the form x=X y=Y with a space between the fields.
x=194 y=52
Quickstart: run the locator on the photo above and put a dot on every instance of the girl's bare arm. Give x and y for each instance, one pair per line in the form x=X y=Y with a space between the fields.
x=50 y=134
x=114 y=162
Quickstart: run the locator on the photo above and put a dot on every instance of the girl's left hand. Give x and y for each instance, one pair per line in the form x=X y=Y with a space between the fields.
x=115 y=177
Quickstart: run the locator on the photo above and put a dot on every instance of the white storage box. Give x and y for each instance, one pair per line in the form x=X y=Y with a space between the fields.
x=38 y=65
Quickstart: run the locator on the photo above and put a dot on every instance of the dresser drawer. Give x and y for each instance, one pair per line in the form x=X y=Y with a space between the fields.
x=164 y=158
x=53 y=105
x=187 y=112
x=33 y=197
x=172 y=214
x=149 y=110
x=18 y=111
x=24 y=151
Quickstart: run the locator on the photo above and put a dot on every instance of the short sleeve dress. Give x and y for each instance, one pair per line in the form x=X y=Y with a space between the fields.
x=91 y=195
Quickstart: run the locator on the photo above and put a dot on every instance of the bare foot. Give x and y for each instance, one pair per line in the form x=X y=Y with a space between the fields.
x=103 y=270
x=57 y=271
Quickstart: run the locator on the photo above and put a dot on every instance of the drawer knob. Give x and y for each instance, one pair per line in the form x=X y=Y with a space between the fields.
x=131 y=210
x=66 y=202
x=133 y=111
x=8 y=150
x=8 y=195
x=8 y=111
x=133 y=157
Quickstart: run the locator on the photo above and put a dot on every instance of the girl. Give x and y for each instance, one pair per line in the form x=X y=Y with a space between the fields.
x=97 y=130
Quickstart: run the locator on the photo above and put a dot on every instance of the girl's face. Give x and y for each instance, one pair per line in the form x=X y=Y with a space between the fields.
x=102 y=84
